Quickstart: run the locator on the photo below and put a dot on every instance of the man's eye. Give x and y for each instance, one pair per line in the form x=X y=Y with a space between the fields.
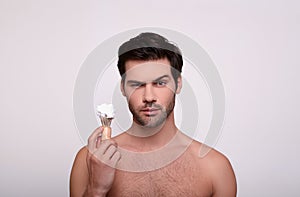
x=160 y=83
x=136 y=85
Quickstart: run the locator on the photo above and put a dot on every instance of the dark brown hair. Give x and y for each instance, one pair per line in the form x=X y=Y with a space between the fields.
x=150 y=46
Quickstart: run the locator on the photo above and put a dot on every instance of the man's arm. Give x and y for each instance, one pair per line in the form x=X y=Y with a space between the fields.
x=79 y=174
x=94 y=167
x=224 y=181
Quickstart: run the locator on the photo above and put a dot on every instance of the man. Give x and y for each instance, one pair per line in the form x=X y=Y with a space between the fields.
x=151 y=158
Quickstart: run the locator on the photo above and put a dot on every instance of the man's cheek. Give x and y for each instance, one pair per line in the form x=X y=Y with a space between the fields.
x=129 y=94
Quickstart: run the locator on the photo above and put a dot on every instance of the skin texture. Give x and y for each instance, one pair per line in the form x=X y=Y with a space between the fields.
x=150 y=91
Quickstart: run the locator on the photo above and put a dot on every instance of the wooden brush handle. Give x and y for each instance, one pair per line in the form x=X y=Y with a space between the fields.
x=106 y=134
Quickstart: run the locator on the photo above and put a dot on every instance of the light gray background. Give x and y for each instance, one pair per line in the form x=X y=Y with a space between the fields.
x=255 y=45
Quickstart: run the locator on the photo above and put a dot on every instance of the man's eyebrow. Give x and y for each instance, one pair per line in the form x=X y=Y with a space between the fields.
x=142 y=82
x=134 y=81
x=164 y=76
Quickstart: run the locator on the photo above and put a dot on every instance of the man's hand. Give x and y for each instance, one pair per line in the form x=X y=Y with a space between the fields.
x=102 y=158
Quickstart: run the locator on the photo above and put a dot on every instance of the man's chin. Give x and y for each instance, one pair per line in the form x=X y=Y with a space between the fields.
x=147 y=128
x=152 y=122
x=152 y=126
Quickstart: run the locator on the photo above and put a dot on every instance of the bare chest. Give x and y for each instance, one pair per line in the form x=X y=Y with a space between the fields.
x=174 y=180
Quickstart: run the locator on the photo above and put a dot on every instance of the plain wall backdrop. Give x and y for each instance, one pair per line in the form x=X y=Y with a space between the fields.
x=254 y=44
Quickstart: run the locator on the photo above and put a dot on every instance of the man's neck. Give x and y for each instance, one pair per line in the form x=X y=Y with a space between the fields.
x=144 y=139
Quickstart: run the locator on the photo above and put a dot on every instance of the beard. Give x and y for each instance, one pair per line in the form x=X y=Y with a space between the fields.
x=155 y=120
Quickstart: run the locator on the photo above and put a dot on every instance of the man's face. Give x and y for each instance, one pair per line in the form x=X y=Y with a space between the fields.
x=150 y=91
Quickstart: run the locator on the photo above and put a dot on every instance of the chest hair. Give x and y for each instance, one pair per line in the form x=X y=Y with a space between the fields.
x=184 y=177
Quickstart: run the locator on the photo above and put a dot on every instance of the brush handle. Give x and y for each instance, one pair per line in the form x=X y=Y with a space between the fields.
x=106 y=133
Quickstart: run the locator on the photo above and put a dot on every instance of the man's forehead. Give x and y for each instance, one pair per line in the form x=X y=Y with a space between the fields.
x=147 y=70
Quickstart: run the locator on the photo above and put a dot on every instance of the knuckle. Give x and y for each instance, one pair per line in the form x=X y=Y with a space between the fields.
x=89 y=141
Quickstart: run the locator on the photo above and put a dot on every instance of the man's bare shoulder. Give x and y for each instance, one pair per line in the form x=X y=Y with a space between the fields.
x=218 y=166
x=210 y=158
x=81 y=155
x=207 y=153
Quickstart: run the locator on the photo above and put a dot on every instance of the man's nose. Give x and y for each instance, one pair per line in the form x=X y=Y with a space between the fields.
x=149 y=94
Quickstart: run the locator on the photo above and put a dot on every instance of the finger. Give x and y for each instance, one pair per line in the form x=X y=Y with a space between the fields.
x=115 y=158
x=104 y=146
x=93 y=139
x=106 y=152
x=98 y=141
x=109 y=155
x=109 y=152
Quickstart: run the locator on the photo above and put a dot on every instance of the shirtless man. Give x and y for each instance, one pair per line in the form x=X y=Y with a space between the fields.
x=151 y=158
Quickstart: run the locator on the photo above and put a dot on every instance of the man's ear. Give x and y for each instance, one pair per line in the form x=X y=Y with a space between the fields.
x=122 y=87
x=179 y=84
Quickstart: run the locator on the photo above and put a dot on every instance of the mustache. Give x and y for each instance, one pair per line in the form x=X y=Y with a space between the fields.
x=152 y=105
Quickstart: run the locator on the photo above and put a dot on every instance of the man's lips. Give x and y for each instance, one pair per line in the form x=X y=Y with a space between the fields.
x=150 y=111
